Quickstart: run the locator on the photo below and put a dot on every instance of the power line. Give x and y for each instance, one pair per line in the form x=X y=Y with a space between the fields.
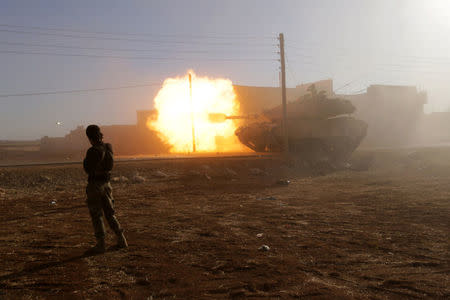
x=173 y=42
x=93 y=48
x=413 y=67
x=196 y=36
x=345 y=85
x=410 y=58
x=62 y=46
x=135 y=57
x=302 y=48
x=411 y=71
x=290 y=69
x=77 y=91
x=357 y=92
x=321 y=45
x=359 y=78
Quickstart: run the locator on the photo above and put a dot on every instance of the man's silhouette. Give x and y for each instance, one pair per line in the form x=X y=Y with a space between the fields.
x=98 y=165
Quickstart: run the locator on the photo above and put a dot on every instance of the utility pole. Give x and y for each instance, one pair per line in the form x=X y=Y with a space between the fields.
x=283 y=95
x=192 y=112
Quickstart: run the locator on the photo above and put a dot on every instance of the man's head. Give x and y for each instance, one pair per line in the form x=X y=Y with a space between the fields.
x=94 y=135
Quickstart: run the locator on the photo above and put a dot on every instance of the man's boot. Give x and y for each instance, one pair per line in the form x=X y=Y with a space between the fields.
x=121 y=241
x=99 y=247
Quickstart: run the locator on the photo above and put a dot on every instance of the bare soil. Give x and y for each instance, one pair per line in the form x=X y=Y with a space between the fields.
x=378 y=229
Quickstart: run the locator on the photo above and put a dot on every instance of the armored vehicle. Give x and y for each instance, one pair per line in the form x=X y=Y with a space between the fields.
x=319 y=128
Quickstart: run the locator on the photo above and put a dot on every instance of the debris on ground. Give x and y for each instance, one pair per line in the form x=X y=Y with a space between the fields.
x=283 y=182
x=230 y=172
x=414 y=155
x=160 y=174
x=205 y=168
x=267 y=198
x=194 y=173
x=259 y=235
x=138 y=178
x=119 y=179
x=238 y=293
x=264 y=248
x=43 y=178
x=256 y=171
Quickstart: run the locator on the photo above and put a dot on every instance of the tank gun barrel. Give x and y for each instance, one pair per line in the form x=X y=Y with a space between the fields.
x=220 y=118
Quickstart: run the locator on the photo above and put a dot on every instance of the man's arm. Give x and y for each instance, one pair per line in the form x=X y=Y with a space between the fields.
x=109 y=147
x=93 y=157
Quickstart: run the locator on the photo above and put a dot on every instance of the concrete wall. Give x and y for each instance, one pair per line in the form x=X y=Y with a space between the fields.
x=126 y=139
x=254 y=99
x=435 y=129
x=394 y=114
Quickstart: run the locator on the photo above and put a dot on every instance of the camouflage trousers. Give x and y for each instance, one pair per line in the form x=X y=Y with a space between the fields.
x=100 y=202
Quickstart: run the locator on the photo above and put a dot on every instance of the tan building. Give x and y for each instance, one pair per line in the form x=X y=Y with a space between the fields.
x=435 y=129
x=394 y=113
x=72 y=143
x=254 y=99
x=126 y=139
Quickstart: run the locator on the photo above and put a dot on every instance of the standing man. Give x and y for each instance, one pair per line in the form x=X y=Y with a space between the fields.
x=98 y=165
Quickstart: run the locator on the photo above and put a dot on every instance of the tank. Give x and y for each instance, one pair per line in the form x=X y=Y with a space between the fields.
x=319 y=128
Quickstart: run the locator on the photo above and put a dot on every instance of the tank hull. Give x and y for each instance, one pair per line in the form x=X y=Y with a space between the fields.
x=332 y=139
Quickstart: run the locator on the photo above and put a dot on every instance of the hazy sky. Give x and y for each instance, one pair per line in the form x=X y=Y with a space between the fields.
x=105 y=44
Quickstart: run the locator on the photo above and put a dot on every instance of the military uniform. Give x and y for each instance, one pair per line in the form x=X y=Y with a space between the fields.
x=99 y=195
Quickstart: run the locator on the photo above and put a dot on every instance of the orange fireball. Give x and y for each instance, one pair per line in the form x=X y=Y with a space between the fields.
x=179 y=113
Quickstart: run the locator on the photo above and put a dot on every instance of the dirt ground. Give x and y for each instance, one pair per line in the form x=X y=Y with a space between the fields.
x=377 y=229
